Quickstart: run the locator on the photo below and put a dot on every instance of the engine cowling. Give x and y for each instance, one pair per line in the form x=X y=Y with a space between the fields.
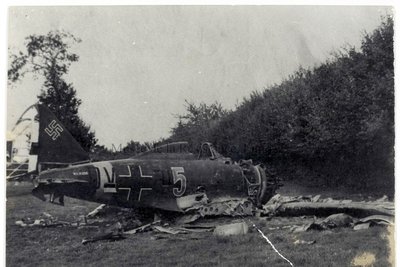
x=261 y=185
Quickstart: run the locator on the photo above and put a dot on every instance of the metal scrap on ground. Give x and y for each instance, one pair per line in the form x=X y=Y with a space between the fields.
x=114 y=232
x=232 y=229
x=341 y=213
x=309 y=205
x=141 y=228
x=344 y=220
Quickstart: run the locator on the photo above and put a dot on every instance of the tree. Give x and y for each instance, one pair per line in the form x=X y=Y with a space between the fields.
x=48 y=56
x=133 y=148
x=332 y=124
x=198 y=122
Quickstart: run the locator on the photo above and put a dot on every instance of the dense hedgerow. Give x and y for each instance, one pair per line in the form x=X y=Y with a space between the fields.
x=330 y=125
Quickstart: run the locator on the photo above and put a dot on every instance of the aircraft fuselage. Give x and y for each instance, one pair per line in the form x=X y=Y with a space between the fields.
x=147 y=182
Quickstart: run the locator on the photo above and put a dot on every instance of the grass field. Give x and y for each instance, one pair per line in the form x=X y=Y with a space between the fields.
x=61 y=246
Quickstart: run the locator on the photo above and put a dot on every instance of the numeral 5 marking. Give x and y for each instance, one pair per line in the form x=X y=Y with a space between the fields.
x=177 y=173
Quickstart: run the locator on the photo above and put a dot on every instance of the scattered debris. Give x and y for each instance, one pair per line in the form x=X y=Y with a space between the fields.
x=301 y=228
x=169 y=230
x=383 y=199
x=191 y=201
x=231 y=229
x=303 y=242
x=315 y=198
x=176 y=237
x=96 y=211
x=115 y=232
x=142 y=228
x=48 y=215
x=188 y=218
x=344 y=220
x=366 y=222
x=222 y=207
x=324 y=209
x=123 y=221
x=45 y=220
x=196 y=229
x=361 y=226
x=378 y=219
x=333 y=221
x=296 y=206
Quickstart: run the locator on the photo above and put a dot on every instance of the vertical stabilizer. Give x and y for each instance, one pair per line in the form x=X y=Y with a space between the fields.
x=55 y=143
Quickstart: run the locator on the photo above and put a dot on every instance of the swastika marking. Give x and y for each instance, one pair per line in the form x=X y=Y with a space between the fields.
x=53 y=130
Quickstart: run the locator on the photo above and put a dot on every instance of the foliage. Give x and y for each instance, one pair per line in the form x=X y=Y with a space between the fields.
x=332 y=125
x=49 y=56
x=197 y=123
x=46 y=55
x=101 y=153
x=133 y=148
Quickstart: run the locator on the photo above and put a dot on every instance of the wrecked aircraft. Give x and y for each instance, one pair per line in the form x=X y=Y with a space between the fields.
x=168 y=177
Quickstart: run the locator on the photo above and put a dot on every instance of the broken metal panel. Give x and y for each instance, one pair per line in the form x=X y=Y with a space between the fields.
x=96 y=210
x=229 y=207
x=362 y=226
x=142 y=228
x=343 y=220
x=190 y=201
x=115 y=232
x=325 y=209
x=297 y=206
x=169 y=230
x=378 y=219
x=232 y=229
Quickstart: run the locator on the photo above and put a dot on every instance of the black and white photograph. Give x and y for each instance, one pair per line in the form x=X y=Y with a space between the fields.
x=200 y=135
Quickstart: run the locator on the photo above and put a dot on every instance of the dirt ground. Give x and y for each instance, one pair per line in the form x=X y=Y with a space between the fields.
x=61 y=246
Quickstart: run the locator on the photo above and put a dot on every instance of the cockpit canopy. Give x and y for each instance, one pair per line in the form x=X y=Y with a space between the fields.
x=181 y=150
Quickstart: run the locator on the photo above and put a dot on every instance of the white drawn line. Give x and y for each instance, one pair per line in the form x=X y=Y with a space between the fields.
x=127 y=175
x=144 y=176
x=272 y=245
x=129 y=191
x=141 y=189
x=98 y=178
x=110 y=190
x=265 y=237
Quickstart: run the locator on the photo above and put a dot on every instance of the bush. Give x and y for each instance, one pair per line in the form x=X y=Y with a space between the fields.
x=333 y=124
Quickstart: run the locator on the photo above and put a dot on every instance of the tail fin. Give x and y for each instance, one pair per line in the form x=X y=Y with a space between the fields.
x=55 y=144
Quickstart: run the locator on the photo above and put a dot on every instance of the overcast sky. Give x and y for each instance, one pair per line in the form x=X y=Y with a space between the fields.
x=138 y=64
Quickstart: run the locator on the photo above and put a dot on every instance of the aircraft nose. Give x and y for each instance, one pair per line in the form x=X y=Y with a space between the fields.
x=260 y=187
